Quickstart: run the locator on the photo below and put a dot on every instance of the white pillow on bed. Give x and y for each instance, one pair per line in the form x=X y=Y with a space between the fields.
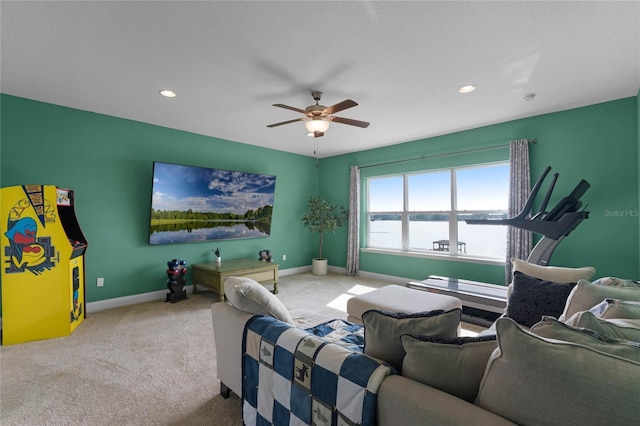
x=252 y=297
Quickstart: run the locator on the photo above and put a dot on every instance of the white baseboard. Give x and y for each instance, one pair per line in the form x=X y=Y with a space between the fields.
x=392 y=279
x=292 y=271
x=117 y=302
x=160 y=294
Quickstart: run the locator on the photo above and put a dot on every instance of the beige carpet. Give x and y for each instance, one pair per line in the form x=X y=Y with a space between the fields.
x=146 y=364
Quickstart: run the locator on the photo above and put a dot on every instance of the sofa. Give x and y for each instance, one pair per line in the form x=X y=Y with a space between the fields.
x=534 y=366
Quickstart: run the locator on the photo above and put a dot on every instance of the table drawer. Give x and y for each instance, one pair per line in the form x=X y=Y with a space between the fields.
x=261 y=276
x=202 y=275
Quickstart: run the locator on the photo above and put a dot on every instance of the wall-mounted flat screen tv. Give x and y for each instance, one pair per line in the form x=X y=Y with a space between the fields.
x=195 y=204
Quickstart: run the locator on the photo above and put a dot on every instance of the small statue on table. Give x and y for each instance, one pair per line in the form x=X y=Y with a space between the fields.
x=265 y=256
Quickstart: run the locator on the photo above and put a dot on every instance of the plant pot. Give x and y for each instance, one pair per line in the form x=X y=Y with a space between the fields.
x=319 y=266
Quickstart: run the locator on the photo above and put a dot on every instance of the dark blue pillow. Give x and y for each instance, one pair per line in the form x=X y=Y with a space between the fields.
x=531 y=298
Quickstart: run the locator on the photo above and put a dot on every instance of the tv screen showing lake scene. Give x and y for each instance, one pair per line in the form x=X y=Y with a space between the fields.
x=196 y=204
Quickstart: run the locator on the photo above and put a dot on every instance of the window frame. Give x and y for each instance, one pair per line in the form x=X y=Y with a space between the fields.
x=405 y=214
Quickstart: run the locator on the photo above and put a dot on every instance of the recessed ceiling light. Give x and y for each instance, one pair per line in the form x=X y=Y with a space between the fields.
x=168 y=93
x=467 y=89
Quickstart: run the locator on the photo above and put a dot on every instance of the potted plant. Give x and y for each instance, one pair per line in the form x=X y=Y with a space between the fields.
x=322 y=217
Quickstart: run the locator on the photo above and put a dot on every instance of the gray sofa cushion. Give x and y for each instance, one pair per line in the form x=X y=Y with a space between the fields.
x=531 y=380
x=616 y=282
x=551 y=328
x=586 y=295
x=406 y=402
x=614 y=308
x=626 y=329
x=382 y=331
x=454 y=365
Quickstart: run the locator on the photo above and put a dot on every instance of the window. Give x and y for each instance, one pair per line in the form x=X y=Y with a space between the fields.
x=425 y=212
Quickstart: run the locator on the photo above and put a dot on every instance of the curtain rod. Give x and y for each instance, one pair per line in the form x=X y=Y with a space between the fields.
x=424 y=157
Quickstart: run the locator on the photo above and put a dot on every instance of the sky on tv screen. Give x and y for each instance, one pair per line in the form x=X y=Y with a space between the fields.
x=201 y=189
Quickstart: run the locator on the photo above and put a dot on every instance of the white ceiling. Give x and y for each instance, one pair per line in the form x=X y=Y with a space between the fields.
x=402 y=62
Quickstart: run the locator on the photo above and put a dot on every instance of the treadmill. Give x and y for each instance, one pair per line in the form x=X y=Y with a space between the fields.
x=554 y=225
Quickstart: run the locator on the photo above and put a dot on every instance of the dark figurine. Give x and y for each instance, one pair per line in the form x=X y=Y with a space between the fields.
x=265 y=256
x=175 y=283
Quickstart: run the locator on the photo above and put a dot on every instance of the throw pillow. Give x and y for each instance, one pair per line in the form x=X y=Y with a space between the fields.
x=626 y=329
x=531 y=380
x=454 y=365
x=551 y=328
x=586 y=295
x=613 y=308
x=553 y=273
x=531 y=298
x=252 y=297
x=382 y=331
x=616 y=282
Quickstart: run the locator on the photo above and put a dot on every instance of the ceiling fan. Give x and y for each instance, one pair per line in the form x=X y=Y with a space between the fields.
x=318 y=117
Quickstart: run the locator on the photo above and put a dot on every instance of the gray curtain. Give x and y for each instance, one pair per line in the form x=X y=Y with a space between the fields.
x=519 y=241
x=353 y=241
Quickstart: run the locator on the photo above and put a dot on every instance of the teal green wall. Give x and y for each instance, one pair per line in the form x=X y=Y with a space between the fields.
x=108 y=162
x=598 y=143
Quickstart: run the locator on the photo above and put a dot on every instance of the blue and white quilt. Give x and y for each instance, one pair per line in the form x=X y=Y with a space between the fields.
x=342 y=333
x=296 y=377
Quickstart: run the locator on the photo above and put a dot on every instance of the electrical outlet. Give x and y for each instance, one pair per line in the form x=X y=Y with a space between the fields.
x=284 y=257
x=100 y=282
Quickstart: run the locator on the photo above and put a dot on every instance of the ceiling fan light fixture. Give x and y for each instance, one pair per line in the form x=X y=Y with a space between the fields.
x=467 y=89
x=316 y=124
x=168 y=93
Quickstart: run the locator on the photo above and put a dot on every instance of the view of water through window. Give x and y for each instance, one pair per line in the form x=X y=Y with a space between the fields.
x=479 y=240
x=431 y=201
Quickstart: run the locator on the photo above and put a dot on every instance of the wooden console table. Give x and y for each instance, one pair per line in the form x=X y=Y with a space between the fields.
x=212 y=274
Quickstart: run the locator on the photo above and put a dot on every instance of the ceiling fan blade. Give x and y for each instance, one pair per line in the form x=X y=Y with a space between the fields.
x=301 y=111
x=286 y=122
x=340 y=106
x=350 y=122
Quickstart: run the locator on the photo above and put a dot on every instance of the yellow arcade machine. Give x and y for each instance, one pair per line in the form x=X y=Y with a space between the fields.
x=42 y=259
